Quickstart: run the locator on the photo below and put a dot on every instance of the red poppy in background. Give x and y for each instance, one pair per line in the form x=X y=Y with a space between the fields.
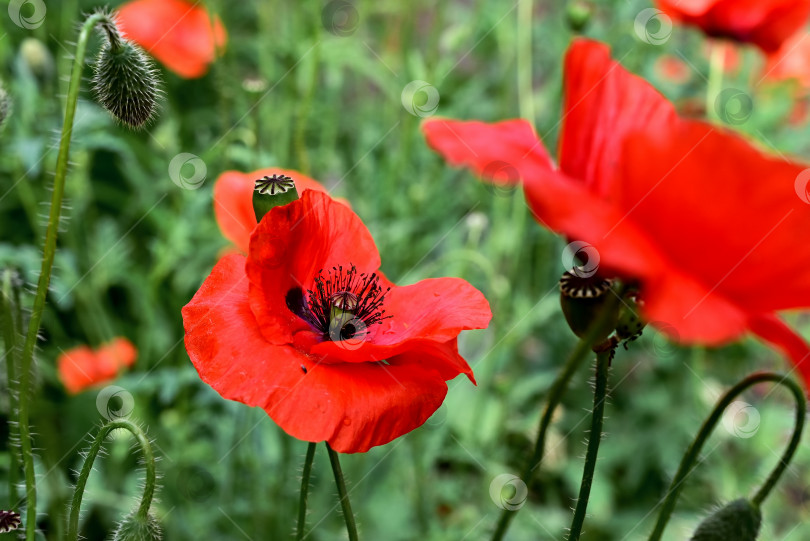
x=307 y=328
x=81 y=367
x=765 y=23
x=791 y=61
x=233 y=201
x=179 y=34
x=711 y=228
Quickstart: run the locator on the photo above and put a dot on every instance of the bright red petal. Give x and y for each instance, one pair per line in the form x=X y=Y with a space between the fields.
x=177 y=33
x=773 y=330
x=352 y=406
x=503 y=152
x=288 y=249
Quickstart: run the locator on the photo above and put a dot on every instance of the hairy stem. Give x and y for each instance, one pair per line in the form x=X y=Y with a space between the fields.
x=348 y=515
x=302 y=501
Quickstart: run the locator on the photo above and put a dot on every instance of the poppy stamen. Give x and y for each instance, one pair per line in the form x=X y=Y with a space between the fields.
x=343 y=303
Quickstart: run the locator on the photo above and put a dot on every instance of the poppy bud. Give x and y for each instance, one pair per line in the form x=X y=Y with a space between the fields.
x=272 y=191
x=739 y=520
x=37 y=57
x=135 y=528
x=630 y=323
x=125 y=80
x=578 y=14
x=582 y=300
x=5 y=105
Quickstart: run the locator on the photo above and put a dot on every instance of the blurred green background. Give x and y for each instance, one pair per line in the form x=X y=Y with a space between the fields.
x=289 y=92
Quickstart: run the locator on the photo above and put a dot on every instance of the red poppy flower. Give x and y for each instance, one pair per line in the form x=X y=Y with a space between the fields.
x=179 y=34
x=791 y=61
x=709 y=226
x=233 y=201
x=307 y=328
x=765 y=23
x=81 y=367
x=672 y=69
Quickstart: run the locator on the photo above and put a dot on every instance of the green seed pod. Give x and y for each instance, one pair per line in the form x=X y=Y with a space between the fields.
x=272 y=191
x=739 y=520
x=578 y=13
x=125 y=82
x=134 y=528
x=582 y=300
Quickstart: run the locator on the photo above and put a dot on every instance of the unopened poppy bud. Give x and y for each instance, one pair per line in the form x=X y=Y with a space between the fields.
x=578 y=14
x=272 y=191
x=630 y=323
x=739 y=520
x=582 y=300
x=37 y=57
x=135 y=528
x=125 y=80
x=5 y=105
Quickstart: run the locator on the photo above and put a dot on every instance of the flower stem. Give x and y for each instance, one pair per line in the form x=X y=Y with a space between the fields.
x=302 y=502
x=524 y=59
x=348 y=515
x=81 y=482
x=49 y=252
x=715 y=84
x=599 y=396
x=693 y=453
x=10 y=321
x=583 y=348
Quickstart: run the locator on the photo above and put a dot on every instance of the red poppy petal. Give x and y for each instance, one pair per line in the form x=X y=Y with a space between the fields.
x=233 y=201
x=503 y=152
x=77 y=369
x=773 y=330
x=353 y=406
x=603 y=103
x=177 y=33
x=291 y=245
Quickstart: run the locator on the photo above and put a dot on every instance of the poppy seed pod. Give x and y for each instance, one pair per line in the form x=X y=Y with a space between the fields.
x=272 y=191
x=582 y=300
x=739 y=520
x=135 y=528
x=125 y=81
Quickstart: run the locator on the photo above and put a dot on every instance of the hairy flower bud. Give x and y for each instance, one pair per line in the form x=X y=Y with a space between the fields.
x=125 y=80
x=134 y=528
x=739 y=520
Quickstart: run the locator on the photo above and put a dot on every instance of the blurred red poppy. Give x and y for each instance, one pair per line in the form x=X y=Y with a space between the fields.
x=308 y=329
x=765 y=23
x=791 y=61
x=233 y=201
x=81 y=367
x=179 y=34
x=672 y=69
x=709 y=226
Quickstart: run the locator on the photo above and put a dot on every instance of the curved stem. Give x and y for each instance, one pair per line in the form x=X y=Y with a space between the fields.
x=81 y=482
x=45 y=273
x=302 y=502
x=583 y=348
x=603 y=359
x=693 y=453
x=348 y=515
x=10 y=319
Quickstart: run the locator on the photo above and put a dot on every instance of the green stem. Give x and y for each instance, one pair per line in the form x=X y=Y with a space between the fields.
x=599 y=397
x=348 y=515
x=49 y=252
x=524 y=59
x=583 y=348
x=87 y=467
x=715 y=84
x=693 y=453
x=11 y=331
x=302 y=502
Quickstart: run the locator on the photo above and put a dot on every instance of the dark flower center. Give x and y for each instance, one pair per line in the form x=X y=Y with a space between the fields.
x=342 y=305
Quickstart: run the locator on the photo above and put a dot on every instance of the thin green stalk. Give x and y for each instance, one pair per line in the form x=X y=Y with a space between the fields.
x=583 y=348
x=49 y=252
x=11 y=330
x=599 y=397
x=302 y=501
x=715 y=84
x=305 y=106
x=348 y=515
x=693 y=453
x=524 y=59
x=87 y=467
